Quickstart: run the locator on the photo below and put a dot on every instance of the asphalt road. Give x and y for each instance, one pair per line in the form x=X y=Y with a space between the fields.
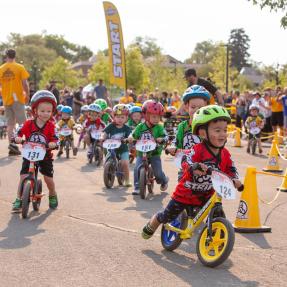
x=93 y=238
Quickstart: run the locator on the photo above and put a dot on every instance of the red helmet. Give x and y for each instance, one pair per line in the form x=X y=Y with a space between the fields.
x=152 y=107
x=43 y=96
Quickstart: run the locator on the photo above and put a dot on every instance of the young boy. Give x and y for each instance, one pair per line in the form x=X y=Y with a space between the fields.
x=254 y=121
x=193 y=98
x=41 y=129
x=135 y=116
x=58 y=114
x=195 y=186
x=105 y=115
x=119 y=130
x=93 y=122
x=67 y=121
x=151 y=129
x=81 y=120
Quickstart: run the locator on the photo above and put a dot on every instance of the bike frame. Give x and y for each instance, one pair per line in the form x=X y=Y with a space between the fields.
x=212 y=205
x=113 y=157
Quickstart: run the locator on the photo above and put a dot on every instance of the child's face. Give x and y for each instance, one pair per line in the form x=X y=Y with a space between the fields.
x=254 y=112
x=65 y=116
x=154 y=119
x=94 y=115
x=217 y=132
x=44 y=111
x=86 y=113
x=120 y=120
x=136 y=117
x=194 y=105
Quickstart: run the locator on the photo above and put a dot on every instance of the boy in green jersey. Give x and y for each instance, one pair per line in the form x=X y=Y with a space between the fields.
x=105 y=115
x=135 y=116
x=150 y=130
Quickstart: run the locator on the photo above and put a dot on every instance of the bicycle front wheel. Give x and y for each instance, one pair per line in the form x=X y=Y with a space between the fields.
x=214 y=252
x=26 y=192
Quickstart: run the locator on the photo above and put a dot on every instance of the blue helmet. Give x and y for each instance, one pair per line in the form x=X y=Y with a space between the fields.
x=84 y=108
x=59 y=108
x=195 y=91
x=135 y=109
x=66 y=110
x=95 y=108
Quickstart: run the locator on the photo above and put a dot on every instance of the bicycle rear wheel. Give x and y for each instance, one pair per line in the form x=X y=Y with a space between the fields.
x=67 y=148
x=37 y=202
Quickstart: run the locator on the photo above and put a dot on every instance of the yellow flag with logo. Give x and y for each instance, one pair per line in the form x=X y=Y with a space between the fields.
x=116 y=46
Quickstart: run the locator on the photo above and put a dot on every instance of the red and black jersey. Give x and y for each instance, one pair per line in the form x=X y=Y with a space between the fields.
x=192 y=189
x=97 y=124
x=43 y=135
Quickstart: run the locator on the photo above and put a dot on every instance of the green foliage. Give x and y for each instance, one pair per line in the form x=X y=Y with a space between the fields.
x=147 y=46
x=275 y=5
x=137 y=72
x=100 y=70
x=61 y=72
x=239 y=44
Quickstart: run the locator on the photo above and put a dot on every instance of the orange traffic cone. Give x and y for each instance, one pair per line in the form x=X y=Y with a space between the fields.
x=247 y=218
x=237 y=138
x=283 y=186
x=273 y=163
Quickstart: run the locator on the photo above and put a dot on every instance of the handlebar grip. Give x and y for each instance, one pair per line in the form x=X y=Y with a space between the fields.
x=166 y=152
x=209 y=171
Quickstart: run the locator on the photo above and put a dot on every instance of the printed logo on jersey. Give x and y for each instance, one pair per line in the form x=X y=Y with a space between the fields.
x=147 y=136
x=189 y=140
x=38 y=138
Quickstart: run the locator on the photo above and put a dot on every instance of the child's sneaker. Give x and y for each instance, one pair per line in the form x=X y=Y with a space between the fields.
x=53 y=201
x=136 y=191
x=60 y=152
x=248 y=150
x=75 y=151
x=147 y=232
x=164 y=186
x=260 y=151
x=17 y=204
x=127 y=183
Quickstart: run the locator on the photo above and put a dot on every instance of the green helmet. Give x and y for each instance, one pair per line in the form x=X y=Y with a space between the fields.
x=102 y=103
x=207 y=114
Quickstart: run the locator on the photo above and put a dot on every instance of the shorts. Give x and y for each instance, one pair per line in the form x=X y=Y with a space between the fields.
x=250 y=136
x=15 y=113
x=277 y=119
x=45 y=167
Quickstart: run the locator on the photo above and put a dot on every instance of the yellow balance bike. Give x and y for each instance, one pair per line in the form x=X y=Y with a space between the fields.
x=216 y=239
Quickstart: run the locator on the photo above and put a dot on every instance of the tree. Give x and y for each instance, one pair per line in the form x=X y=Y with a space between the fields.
x=137 y=72
x=239 y=44
x=203 y=53
x=61 y=72
x=274 y=5
x=100 y=70
x=147 y=46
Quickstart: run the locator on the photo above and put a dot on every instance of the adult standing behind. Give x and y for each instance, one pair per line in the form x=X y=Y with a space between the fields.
x=13 y=81
x=277 y=110
x=101 y=92
x=127 y=98
x=77 y=102
x=53 y=88
x=192 y=79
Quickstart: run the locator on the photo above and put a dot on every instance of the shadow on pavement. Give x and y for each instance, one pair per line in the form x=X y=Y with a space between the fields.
x=258 y=239
x=116 y=194
x=149 y=206
x=6 y=160
x=18 y=231
x=192 y=272
x=89 y=168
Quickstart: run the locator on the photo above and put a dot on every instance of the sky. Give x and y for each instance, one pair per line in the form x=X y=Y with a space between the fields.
x=178 y=25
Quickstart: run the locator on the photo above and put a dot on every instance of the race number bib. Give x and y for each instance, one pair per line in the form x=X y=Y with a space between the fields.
x=255 y=131
x=223 y=185
x=65 y=132
x=145 y=145
x=33 y=151
x=96 y=134
x=111 y=144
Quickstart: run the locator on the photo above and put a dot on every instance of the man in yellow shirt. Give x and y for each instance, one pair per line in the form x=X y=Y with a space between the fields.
x=277 y=110
x=127 y=99
x=13 y=82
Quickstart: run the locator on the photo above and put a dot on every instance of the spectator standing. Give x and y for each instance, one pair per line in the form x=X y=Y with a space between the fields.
x=240 y=109
x=77 y=102
x=127 y=98
x=277 y=110
x=176 y=100
x=53 y=88
x=142 y=97
x=101 y=92
x=267 y=114
x=283 y=98
x=15 y=94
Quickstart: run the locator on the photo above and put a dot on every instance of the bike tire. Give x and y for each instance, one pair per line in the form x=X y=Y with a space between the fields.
x=253 y=146
x=109 y=174
x=98 y=155
x=224 y=232
x=171 y=240
x=142 y=183
x=26 y=198
x=120 y=176
x=151 y=179
x=36 y=204
x=67 y=148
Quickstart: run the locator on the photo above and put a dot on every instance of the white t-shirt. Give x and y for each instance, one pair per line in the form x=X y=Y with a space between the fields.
x=257 y=103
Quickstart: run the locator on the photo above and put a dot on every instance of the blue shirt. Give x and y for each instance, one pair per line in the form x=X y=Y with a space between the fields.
x=284 y=102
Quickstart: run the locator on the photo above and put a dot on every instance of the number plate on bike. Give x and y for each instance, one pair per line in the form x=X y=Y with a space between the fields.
x=65 y=132
x=255 y=131
x=95 y=134
x=33 y=151
x=145 y=145
x=223 y=185
x=111 y=144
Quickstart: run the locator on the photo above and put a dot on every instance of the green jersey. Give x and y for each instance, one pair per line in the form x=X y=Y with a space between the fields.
x=132 y=124
x=143 y=132
x=184 y=137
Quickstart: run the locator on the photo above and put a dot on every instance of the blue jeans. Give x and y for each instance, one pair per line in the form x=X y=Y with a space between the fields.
x=156 y=167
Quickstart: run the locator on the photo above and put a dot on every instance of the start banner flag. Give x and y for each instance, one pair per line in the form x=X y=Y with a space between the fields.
x=116 y=46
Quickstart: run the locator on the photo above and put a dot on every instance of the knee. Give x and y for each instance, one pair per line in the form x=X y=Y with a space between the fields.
x=162 y=217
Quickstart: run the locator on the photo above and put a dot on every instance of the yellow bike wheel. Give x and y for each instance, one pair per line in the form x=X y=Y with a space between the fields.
x=213 y=252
